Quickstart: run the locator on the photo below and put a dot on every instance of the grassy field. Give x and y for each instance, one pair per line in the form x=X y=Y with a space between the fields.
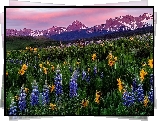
x=111 y=78
x=20 y=43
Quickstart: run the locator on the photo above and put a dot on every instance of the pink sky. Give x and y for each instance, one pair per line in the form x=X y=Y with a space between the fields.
x=44 y=18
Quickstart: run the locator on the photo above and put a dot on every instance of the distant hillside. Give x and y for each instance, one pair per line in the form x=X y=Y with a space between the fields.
x=76 y=35
x=16 y=43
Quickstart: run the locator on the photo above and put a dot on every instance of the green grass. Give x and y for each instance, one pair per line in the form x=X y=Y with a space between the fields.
x=21 y=43
x=130 y=56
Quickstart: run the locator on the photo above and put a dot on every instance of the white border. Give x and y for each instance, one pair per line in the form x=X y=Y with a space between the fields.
x=74 y=2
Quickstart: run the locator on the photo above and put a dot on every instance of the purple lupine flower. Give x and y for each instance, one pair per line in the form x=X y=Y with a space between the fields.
x=13 y=109
x=17 y=61
x=34 y=96
x=20 y=62
x=139 y=93
x=73 y=85
x=88 y=78
x=58 y=83
x=95 y=70
x=73 y=88
x=22 y=100
x=151 y=95
x=83 y=75
x=76 y=74
x=11 y=61
x=45 y=95
x=151 y=79
x=134 y=85
x=128 y=98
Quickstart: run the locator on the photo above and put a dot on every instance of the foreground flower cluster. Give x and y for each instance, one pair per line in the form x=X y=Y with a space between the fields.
x=103 y=79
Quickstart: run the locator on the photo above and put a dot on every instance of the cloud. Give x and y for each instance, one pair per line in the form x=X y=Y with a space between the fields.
x=40 y=18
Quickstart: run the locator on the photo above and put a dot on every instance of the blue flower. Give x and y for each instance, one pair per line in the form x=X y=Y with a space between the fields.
x=17 y=61
x=73 y=88
x=22 y=100
x=73 y=84
x=95 y=70
x=128 y=98
x=134 y=85
x=20 y=62
x=11 y=61
x=140 y=93
x=58 y=84
x=75 y=74
x=83 y=75
x=58 y=77
x=151 y=79
x=34 y=96
x=88 y=78
x=45 y=95
x=151 y=95
x=13 y=109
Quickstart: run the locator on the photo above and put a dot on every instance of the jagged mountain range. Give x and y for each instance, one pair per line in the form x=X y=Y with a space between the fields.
x=78 y=30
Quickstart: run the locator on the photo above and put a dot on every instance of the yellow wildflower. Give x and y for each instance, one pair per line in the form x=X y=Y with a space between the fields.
x=52 y=67
x=119 y=81
x=52 y=88
x=31 y=49
x=93 y=57
x=52 y=106
x=26 y=90
x=97 y=96
x=150 y=63
x=115 y=58
x=88 y=69
x=48 y=63
x=85 y=103
x=120 y=87
x=40 y=65
x=111 y=62
x=110 y=56
x=24 y=67
x=21 y=72
x=35 y=49
x=45 y=70
x=131 y=38
x=78 y=63
x=145 y=101
x=64 y=63
x=142 y=74
x=27 y=48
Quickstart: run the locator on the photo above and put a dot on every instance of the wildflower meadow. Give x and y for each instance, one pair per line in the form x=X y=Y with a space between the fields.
x=110 y=78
